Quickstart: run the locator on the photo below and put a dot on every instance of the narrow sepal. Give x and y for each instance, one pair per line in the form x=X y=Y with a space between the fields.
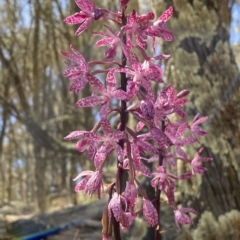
x=89 y=101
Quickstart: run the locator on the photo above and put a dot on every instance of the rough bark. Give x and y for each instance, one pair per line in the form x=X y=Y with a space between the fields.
x=203 y=62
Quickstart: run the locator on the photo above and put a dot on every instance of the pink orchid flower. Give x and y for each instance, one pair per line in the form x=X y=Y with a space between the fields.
x=181 y=216
x=88 y=14
x=194 y=128
x=91 y=183
x=136 y=27
x=110 y=143
x=77 y=71
x=197 y=161
x=91 y=140
x=110 y=40
x=162 y=179
x=176 y=136
x=107 y=94
x=169 y=102
x=158 y=28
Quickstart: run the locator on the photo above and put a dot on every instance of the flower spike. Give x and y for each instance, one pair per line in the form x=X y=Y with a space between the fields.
x=119 y=89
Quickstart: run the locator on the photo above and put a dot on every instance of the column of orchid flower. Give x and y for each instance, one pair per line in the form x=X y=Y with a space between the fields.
x=163 y=138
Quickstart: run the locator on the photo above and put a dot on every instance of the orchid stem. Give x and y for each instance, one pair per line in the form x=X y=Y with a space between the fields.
x=158 y=192
x=123 y=120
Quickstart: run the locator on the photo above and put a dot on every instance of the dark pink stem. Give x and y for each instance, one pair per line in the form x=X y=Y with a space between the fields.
x=158 y=192
x=123 y=121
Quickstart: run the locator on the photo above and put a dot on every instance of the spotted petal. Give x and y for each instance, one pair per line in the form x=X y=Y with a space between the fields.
x=74 y=135
x=104 y=42
x=76 y=18
x=96 y=84
x=83 y=27
x=93 y=136
x=94 y=183
x=166 y=15
x=111 y=80
x=149 y=213
x=147 y=146
x=82 y=184
x=85 y=5
x=115 y=207
x=120 y=95
x=78 y=84
x=89 y=101
x=76 y=57
x=161 y=139
x=181 y=217
x=106 y=127
x=101 y=155
x=103 y=113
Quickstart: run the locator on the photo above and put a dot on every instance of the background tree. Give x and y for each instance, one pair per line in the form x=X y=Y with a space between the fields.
x=37 y=110
x=35 y=101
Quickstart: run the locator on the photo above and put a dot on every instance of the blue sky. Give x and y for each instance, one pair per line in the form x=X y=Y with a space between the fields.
x=235 y=25
x=234 y=28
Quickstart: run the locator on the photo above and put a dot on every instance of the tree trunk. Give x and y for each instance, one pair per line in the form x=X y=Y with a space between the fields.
x=203 y=62
x=40 y=170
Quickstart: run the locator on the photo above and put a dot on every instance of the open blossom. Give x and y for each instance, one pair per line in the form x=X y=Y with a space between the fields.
x=140 y=76
x=142 y=26
x=165 y=182
x=162 y=179
x=197 y=161
x=83 y=144
x=168 y=102
x=194 y=128
x=136 y=27
x=181 y=217
x=155 y=72
x=91 y=140
x=176 y=136
x=88 y=13
x=77 y=70
x=110 y=142
x=112 y=41
x=91 y=183
x=136 y=157
x=107 y=94
x=158 y=28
